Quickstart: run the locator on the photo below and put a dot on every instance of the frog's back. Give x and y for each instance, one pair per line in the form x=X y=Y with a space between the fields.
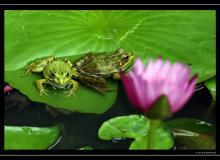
x=100 y=65
x=98 y=68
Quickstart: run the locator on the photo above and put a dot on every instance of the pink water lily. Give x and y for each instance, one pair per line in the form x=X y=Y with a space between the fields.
x=145 y=84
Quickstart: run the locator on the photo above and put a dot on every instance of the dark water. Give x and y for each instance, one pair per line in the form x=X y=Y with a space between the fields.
x=80 y=130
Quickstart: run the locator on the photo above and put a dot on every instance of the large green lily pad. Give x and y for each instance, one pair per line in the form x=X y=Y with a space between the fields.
x=23 y=137
x=85 y=100
x=176 y=35
x=136 y=127
x=211 y=85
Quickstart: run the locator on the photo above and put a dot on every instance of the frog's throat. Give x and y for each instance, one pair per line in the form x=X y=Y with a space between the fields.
x=59 y=86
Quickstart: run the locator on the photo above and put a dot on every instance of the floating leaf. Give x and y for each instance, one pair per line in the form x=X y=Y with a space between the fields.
x=85 y=100
x=193 y=134
x=30 y=138
x=176 y=35
x=136 y=127
x=211 y=85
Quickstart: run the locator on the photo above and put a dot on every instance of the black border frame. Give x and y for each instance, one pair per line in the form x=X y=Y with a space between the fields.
x=106 y=152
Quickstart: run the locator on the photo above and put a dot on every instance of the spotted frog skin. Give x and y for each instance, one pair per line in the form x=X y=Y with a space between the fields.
x=56 y=72
x=91 y=70
x=95 y=68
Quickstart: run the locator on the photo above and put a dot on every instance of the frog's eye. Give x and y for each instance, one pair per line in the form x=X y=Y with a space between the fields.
x=125 y=57
x=67 y=74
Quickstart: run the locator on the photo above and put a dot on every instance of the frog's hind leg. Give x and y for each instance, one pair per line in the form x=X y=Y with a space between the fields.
x=99 y=89
x=38 y=65
x=99 y=84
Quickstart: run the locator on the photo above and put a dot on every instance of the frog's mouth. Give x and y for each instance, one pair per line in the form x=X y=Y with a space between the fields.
x=59 y=86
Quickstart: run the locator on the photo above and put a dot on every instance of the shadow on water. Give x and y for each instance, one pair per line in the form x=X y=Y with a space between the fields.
x=80 y=129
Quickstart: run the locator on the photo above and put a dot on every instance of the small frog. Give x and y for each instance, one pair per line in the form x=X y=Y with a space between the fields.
x=105 y=65
x=93 y=69
x=56 y=72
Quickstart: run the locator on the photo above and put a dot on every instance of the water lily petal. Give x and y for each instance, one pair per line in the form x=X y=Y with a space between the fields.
x=138 y=67
x=138 y=89
x=165 y=70
x=183 y=74
x=186 y=95
x=182 y=101
x=174 y=72
x=148 y=84
x=175 y=97
x=129 y=89
x=157 y=65
x=149 y=70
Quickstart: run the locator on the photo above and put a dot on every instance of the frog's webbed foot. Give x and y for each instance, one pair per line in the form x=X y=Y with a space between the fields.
x=74 y=88
x=44 y=91
x=40 y=87
x=70 y=93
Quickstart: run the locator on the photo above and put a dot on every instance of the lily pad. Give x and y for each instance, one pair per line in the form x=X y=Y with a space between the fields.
x=86 y=100
x=193 y=133
x=176 y=35
x=30 y=138
x=211 y=85
x=136 y=127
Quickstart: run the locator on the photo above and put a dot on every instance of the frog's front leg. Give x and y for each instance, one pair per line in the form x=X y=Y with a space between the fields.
x=74 y=88
x=116 y=76
x=39 y=84
x=38 y=65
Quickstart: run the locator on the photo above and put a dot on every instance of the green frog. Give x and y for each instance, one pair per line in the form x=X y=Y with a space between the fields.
x=105 y=65
x=95 y=68
x=56 y=72
x=91 y=70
